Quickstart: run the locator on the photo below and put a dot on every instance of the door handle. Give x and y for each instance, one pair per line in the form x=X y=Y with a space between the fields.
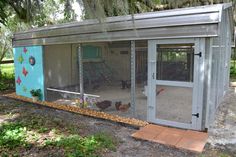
x=153 y=75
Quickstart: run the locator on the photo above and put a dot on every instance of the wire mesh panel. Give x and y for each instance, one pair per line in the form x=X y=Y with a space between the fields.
x=175 y=64
x=107 y=75
x=141 y=79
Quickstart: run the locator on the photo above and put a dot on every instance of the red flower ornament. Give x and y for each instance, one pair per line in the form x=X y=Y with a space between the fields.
x=25 y=50
x=18 y=81
x=24 y=71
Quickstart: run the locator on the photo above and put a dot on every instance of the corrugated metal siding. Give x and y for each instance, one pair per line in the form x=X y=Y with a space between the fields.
x=220 y=66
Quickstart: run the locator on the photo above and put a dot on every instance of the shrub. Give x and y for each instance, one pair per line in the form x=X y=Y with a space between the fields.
x=7 y=81
x=35 y=92
x=77 y=146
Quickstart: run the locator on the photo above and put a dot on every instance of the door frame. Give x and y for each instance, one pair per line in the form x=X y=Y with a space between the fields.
x=197 y=84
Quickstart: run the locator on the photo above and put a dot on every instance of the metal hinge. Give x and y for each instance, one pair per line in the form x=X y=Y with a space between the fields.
x=153 y=75
x=199 y=54
x=196 y=114
x=150 y=107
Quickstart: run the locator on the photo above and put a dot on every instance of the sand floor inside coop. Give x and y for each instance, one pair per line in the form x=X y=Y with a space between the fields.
x=173 y=103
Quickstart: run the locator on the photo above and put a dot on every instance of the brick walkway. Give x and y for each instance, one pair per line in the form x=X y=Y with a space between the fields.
x=182 y=139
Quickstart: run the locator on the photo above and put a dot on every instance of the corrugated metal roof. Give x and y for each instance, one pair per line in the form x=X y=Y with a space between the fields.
x=177 y=23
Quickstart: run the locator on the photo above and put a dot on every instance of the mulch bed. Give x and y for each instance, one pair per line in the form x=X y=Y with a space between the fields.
x=83 y=111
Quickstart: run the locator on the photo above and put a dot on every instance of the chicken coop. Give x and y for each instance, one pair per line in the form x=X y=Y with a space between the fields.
x=167 y=67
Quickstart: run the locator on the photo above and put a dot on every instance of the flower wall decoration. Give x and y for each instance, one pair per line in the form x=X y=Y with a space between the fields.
x=18 y=81
x=24 y=71
x=20 y=59
x=25 y=50
x=27 y=74
x=24 y=89
x=32 y=60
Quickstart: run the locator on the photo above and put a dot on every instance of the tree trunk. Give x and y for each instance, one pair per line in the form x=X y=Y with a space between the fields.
x=2 y=56
x=3 y=52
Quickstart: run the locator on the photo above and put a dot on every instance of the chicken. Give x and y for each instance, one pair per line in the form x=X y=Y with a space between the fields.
x=124 y=107
x=125 y=84
x=159 y=91
x=103 y=104
x=96 y=87
x=117 y=104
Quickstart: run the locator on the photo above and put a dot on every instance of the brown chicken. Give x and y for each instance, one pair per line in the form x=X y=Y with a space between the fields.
x=159 y=91
x=117 y=104
x=124 y=107
x=103 y=104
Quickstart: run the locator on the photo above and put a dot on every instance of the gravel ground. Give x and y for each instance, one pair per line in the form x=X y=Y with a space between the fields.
x=223 y=131
x=221 y=142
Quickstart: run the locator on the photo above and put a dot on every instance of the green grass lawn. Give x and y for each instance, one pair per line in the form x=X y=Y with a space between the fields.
x=7 y=68
x=7 y=78
x=232 y=63
x=233 y=70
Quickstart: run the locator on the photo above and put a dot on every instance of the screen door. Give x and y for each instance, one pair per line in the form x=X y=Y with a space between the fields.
x=172 y=83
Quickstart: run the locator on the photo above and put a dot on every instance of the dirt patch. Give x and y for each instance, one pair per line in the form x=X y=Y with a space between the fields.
x=223 y=131
x=71 y=123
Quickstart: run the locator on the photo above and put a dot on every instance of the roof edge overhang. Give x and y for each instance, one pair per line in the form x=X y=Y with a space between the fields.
x=191 y=22
x=144 y=34
x=147 y=15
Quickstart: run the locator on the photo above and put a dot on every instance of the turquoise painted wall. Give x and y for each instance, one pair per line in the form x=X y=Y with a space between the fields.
x=28 y=76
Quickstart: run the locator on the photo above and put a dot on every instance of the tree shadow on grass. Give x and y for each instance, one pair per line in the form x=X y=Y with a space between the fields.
x=29 y=129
